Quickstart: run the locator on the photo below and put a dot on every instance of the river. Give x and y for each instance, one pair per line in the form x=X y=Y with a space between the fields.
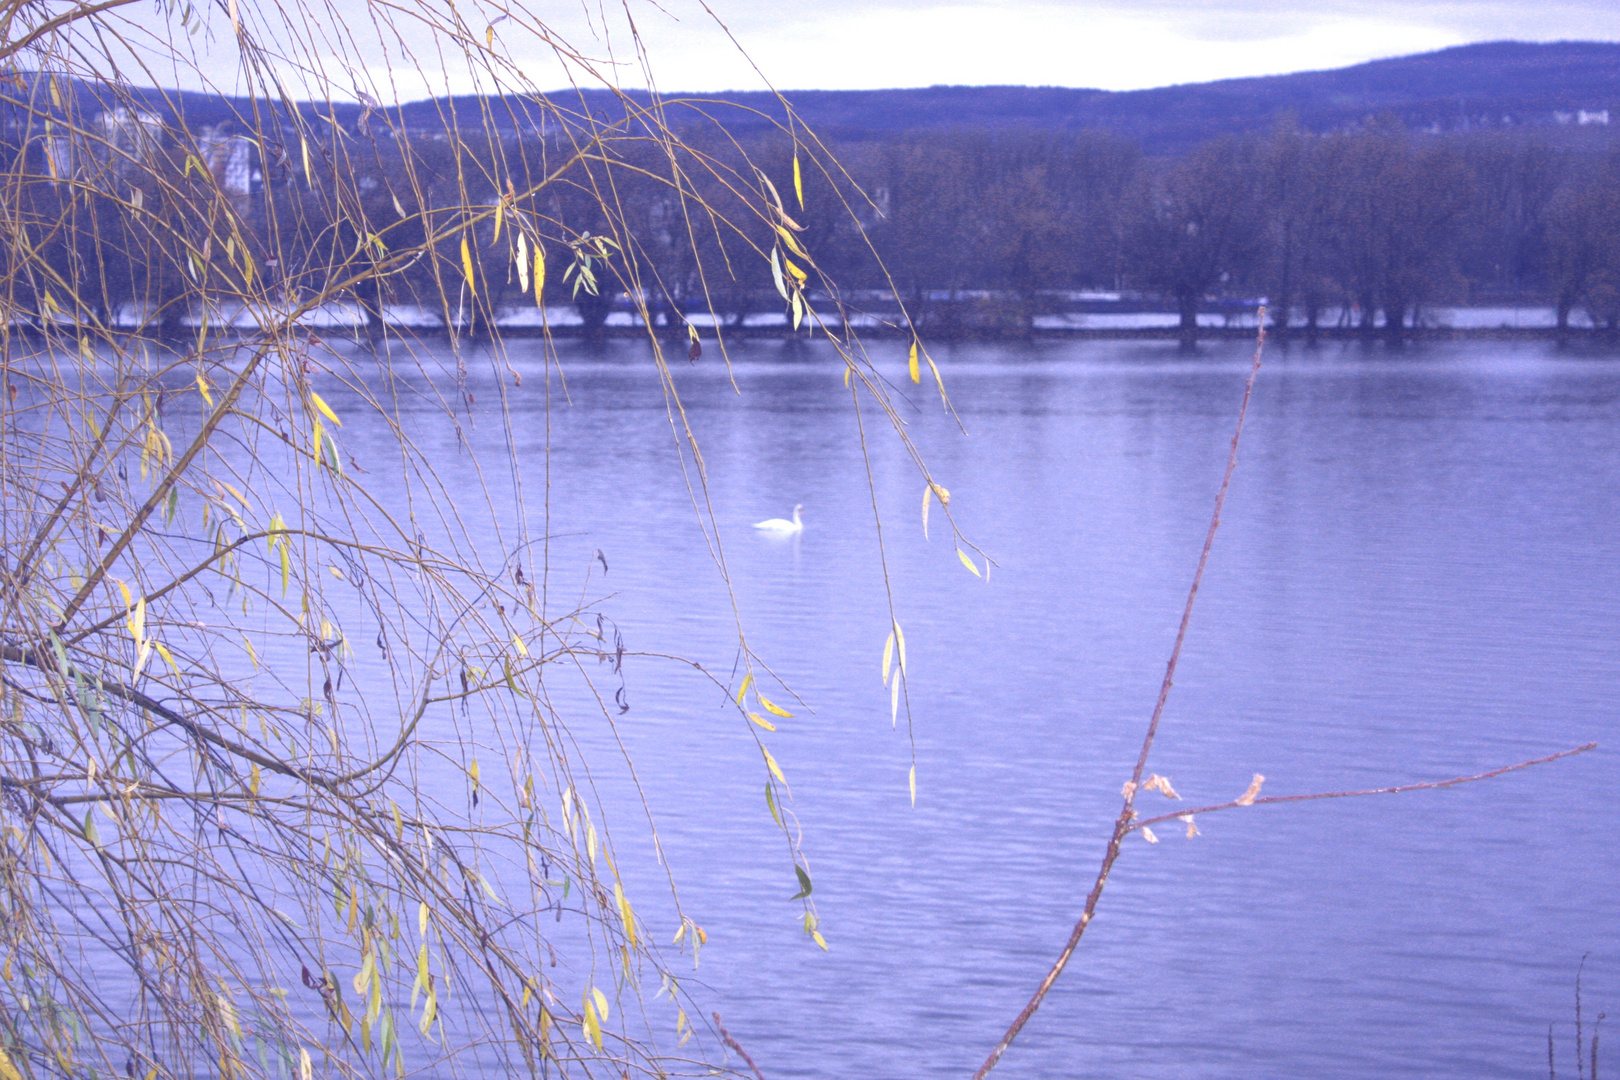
x=1418 y=577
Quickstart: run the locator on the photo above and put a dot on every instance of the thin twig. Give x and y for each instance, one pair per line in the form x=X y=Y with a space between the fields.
x=725 y=1037
x=1122 y=824
x=1426 y=786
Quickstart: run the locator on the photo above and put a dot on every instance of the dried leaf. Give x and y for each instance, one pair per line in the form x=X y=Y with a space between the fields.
x=1147 y=834
x=1248 y=797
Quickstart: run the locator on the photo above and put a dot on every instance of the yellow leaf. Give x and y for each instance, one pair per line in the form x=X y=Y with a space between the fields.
x=798 y=181
x=467 y=264
x=820 y=940
x=888 y=657
x=776 y=770
x=593 y=1027
x=761 y=721
x=304 y=143
x=399 y=822
x=928 y=500
x=306 y=1067
x=967 y=562
x=900 y=638
x=627 y=915
x=500 y=204
x=520 y=646
x=202 y=388
x=523 y=261
x=428 y=1010
x=773 y=708
x=539 y=273
x=137 y=622
x=253 y=779
x=422 y=919
x=916 y=375
x=601 y=1003
x=914 y=785
x=748 y=680
x=362 y=978
x=894 y=702
x=793 y=245
x=326 y=410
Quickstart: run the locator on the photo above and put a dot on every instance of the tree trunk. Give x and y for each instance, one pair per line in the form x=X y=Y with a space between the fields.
x=1187 y=305
x=1395 y=321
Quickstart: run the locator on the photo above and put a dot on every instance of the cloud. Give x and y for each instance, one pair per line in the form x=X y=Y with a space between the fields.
x=854 y=44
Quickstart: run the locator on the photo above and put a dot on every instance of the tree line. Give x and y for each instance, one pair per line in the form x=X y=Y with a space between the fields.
x=974 y=231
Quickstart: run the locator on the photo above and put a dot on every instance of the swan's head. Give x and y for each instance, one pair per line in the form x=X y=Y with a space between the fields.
x=797 y=507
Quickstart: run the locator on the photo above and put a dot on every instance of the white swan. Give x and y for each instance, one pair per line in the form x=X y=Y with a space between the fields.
x=782 y=525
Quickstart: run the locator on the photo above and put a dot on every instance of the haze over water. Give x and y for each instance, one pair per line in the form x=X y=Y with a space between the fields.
x=1418 y=577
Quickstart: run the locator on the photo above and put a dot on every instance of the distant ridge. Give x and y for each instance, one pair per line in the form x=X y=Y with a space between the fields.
x=1502 y=84
x=1493 y=84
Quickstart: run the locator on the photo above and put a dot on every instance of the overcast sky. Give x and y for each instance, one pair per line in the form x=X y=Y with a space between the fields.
x=854 y=44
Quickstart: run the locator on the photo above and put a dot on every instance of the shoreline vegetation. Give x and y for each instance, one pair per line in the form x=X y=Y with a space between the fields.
x=1135 y=322
x=1008 y=232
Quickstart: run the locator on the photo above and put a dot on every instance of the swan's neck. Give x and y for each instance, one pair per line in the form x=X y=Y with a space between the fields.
x=796 y=520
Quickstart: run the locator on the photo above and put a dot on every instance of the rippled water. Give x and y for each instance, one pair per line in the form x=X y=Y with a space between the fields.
x=1418 y=577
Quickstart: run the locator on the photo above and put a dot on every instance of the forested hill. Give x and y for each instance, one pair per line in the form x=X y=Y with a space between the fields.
x=1504 y=84
x=1496 y=84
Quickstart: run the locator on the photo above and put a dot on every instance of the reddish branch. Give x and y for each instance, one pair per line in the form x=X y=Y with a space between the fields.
x=1127 y=820
x=1426 y=786
x=725 y=1036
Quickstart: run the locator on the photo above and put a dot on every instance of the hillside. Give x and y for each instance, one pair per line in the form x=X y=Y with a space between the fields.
x=1495 y=84
x=1502 y=84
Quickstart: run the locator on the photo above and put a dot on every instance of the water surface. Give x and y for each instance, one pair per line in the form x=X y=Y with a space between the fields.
x=1417 y=577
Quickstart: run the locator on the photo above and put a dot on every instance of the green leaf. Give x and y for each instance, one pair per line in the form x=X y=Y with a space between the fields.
x=804 y=883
